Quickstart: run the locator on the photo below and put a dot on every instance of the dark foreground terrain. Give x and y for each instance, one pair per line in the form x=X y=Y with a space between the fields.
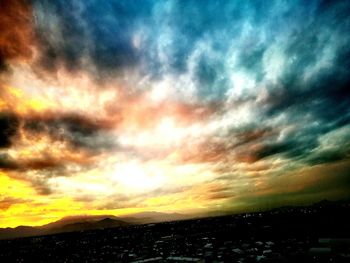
x=319 y=233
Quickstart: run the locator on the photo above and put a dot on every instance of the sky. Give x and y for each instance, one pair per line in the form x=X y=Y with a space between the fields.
x=117 y=107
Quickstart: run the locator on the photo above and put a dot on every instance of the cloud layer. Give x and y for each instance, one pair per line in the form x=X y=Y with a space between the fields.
x=172 y=105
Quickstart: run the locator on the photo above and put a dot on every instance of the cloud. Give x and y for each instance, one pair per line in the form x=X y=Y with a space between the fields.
x=37 y=148
x=175 y=104
x=79 y=131
x=94 y=32
x=9 y=124
x=9 y=164
x=17 y=35
x=6 y=163
x=6 y=202
x=309 y=185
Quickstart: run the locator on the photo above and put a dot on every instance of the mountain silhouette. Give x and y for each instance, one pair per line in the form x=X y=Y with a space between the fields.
x=62 y=226
x=89 y=222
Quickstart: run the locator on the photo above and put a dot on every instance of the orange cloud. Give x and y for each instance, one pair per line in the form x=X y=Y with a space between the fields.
x=16 y=29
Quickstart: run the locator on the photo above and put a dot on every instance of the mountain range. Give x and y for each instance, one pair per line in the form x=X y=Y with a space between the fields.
x=89 y=222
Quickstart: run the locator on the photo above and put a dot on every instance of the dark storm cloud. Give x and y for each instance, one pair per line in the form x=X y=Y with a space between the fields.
x=290 y=148
x=79 y=131
x=328 y=157
x=337 y=148
x=71 y=32
x=10 y=164
x=84 y=138
x=325 y=94
x=9 y=124
x=6 y=163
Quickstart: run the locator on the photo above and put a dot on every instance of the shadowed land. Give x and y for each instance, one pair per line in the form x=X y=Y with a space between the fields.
x=317 y=233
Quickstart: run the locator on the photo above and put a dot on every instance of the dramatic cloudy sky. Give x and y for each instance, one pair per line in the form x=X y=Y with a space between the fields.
x=116 y=107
